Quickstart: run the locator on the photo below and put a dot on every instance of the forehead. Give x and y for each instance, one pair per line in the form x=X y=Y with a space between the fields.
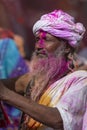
x=45 y=34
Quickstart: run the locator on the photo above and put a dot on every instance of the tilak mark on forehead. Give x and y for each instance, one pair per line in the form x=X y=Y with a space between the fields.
x=42 y=36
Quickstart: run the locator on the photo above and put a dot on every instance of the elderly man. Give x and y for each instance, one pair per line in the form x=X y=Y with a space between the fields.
x=55 y=93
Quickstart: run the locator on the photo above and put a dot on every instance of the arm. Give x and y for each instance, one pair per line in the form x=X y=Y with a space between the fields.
x=46 y=115
x=17 y=84
x=10 y=83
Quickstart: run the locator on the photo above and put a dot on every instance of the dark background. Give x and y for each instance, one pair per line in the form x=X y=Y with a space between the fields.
x=20 y=15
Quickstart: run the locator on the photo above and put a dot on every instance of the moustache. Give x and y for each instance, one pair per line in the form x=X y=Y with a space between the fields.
x=41 y=52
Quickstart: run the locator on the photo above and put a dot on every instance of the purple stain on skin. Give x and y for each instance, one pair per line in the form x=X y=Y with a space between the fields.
x=42 y=37
x=41 y=43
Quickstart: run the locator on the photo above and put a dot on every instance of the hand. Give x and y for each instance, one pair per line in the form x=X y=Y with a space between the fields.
x=4 y=92
x=22 y=82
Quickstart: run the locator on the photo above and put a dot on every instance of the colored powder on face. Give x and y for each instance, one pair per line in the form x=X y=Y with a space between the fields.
x=42 y=37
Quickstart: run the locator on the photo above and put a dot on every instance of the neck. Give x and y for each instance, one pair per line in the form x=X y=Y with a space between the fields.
x=62 y=72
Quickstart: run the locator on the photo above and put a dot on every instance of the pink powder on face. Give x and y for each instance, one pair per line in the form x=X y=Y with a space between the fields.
x=54 y=67
x=42 y=35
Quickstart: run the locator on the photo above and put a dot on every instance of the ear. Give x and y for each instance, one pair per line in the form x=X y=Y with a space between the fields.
x=68 y=48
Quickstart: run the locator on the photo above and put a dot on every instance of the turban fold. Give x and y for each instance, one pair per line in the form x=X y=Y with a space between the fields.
x=61 y=24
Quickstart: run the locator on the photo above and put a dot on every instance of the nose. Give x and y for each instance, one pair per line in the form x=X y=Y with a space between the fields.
x=39 y=45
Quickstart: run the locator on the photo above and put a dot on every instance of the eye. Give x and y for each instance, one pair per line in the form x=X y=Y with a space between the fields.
x=47 y=39
x=37 y=39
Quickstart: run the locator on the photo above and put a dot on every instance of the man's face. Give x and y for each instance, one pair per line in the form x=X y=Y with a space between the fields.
x=48 y=53
x=47 y=62
x=46 y=43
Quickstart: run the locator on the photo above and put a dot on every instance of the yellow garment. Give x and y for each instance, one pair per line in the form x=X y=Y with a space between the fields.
x=45 y=100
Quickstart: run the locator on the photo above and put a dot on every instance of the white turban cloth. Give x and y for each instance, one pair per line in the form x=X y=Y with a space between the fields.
x=62 y=25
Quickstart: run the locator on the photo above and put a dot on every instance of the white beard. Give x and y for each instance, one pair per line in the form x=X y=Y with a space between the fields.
x=46 y=70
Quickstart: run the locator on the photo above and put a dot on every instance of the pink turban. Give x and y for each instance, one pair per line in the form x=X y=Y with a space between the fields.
x=61 y=24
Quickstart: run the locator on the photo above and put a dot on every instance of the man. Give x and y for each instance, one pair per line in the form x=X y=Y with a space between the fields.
x=55 y=94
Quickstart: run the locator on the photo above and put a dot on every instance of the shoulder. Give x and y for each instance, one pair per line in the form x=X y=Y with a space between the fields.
x=78 y=73
x=76 y=78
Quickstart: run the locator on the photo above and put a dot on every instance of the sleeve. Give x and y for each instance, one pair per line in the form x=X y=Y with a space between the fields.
x=73 y=106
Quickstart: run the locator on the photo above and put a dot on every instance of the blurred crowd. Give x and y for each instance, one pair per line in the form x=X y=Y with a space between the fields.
x=12 y=64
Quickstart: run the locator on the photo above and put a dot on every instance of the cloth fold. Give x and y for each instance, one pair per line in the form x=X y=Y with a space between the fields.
x=4 y=120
